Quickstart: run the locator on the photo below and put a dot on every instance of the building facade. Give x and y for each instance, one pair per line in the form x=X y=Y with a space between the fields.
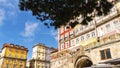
x=89 y=45
x=0 y=58
x=28 y=64
x=0 y=54
x=40 y=56
x=13 y=56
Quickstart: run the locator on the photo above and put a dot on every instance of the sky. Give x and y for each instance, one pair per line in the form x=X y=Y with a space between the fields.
x=21 y=28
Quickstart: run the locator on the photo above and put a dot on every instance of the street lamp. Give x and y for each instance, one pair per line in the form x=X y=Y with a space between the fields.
x=95 y=24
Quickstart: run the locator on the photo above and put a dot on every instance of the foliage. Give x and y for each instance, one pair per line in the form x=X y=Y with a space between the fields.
x=60 y=12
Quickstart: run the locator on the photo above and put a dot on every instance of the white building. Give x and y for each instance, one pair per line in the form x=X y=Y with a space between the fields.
x=28 y=64
x=40 y=56
x=2 y=53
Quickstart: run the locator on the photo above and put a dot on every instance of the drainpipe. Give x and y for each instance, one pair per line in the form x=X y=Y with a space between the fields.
x=95 y=24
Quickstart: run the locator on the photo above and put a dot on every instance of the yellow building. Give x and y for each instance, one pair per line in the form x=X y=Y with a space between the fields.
x=13 y=56
x=40 y=56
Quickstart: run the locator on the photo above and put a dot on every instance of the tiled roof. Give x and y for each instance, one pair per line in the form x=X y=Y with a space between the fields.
x=39 y=44
x=14 y=46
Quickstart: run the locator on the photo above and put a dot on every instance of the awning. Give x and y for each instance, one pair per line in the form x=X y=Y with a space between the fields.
x=102 y=66
x=113 y=61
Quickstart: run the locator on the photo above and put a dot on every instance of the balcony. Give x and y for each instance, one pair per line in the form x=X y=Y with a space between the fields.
x=101 y=20
x=104 y=41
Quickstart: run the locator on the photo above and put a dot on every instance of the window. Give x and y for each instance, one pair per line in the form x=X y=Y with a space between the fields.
x=38 y=66
x=87 y=36
x=76 y=31
x=22 y=52
x=21 y=57
x=16 y=56
x=71 y=35
x=9 y=55
x=72 y=42
x=102 y=54
x=81 y=28
x=108 y=54
x=8 y=60
x=108 y=28
x=7 y=66
x=78 y=49
x=62 y=38
x=91 y=23
x=15 y=66
x=93 y=34
x=10 y=49
x=21 y=66
x=113 y=9
x=116 y=24
x=77 y=40
x=71 y=32
x=15 y=61
x=66 y=36
x=105 y=54
x=21 y=62
x=100 y=31
x=62 y=46
x=16 y=50
x=82 y=38
x=67 y=45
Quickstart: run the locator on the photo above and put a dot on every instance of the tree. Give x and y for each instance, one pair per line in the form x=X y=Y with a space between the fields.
x=60 y=12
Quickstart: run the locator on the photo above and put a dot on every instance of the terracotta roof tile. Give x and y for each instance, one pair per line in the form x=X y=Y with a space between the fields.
x=14 y=46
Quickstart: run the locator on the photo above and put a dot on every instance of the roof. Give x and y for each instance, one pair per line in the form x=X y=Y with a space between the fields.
x=14 y=46
x=39 y=44
x=55 y=50
x=43 y=45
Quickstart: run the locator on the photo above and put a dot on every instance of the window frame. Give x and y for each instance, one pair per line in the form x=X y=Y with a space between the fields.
x=62 y=46
x=93 y=34
x=67 y=45
x=108 y=27
x=116 y=24
x=17 y=50
x=82 y=38
x=105 y=54
x=76 y=30
x=73 y=42
x=10 y=49
x=77 y=40
x=88 y=36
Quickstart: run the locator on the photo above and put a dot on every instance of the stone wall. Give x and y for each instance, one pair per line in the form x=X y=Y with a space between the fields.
x=94 y=53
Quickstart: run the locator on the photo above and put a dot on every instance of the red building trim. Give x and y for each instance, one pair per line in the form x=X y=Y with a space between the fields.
x=65 y=31
x=63 y=34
